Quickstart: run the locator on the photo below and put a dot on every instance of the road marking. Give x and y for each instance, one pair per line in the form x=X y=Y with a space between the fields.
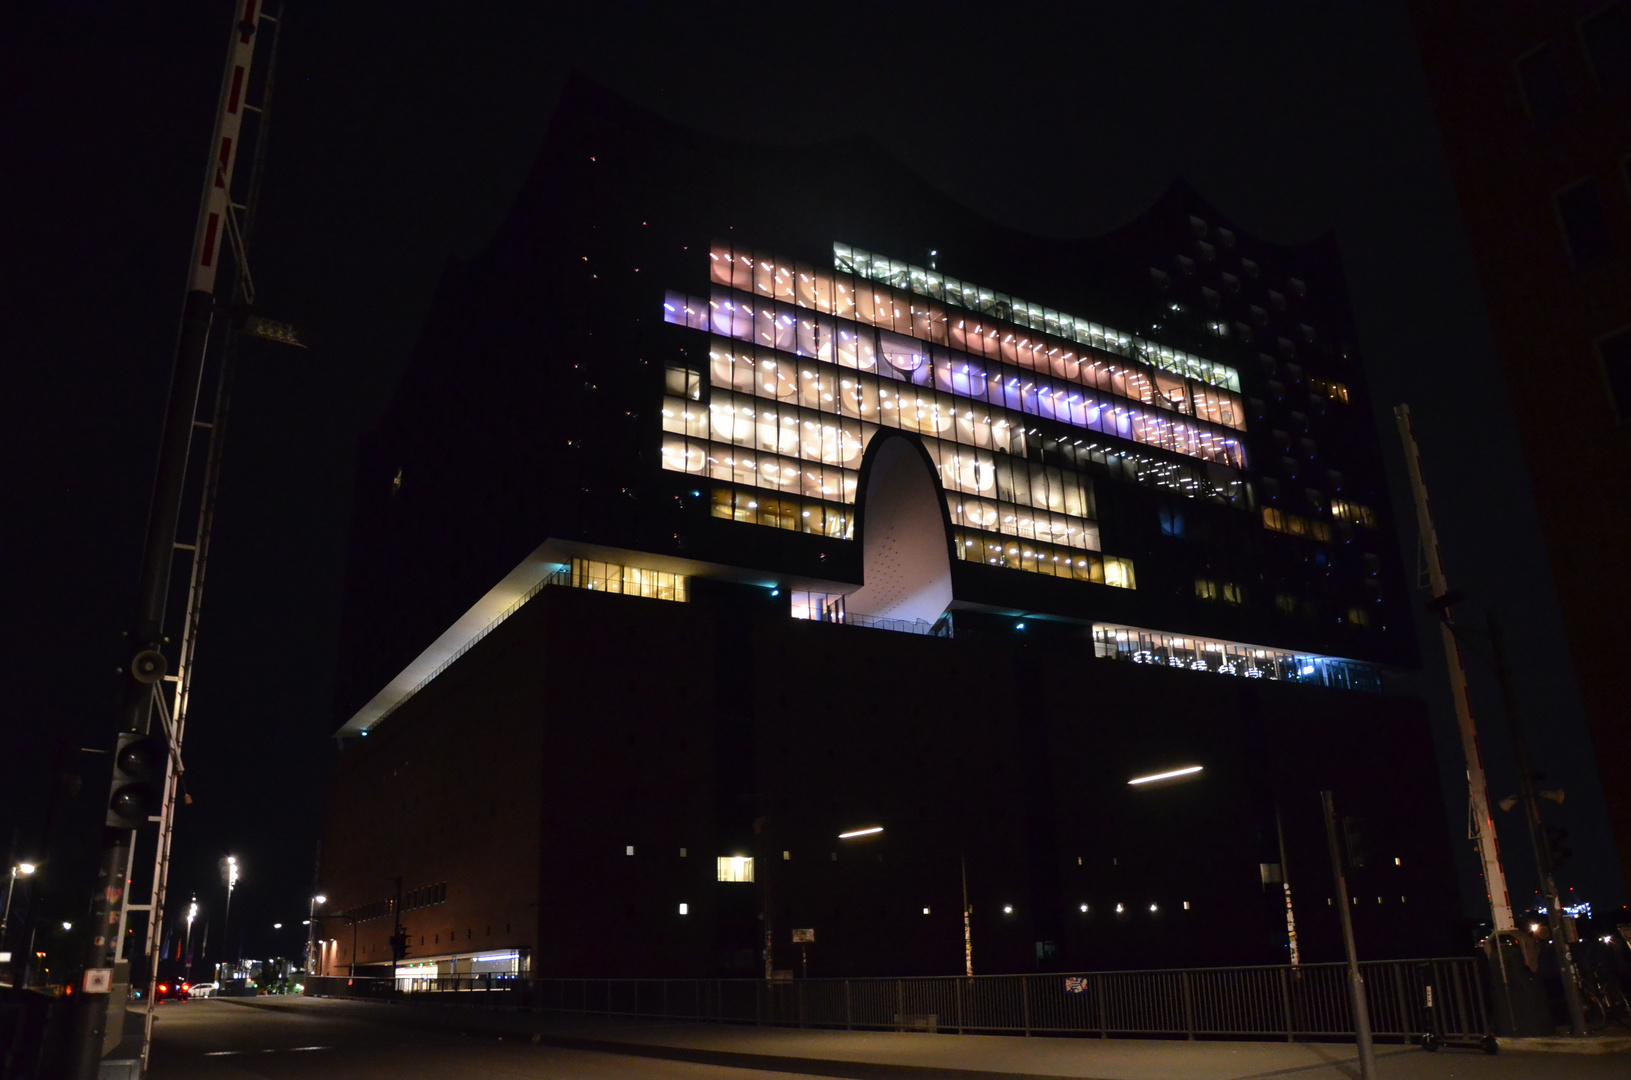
x=273 y=1050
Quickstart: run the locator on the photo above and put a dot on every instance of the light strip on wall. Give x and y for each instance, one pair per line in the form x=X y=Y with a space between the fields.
x=874 y=830
x=1185 y=771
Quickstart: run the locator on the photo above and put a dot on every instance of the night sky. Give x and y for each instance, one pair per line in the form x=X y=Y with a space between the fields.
x=402 y=132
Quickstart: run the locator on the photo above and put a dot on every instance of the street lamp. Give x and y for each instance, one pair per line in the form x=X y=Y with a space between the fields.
x=192 y=913
x=22 y=869
x=311 y=930
x=229 y=875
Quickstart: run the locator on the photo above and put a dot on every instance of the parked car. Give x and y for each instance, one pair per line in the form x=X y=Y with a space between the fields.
x=203 y=989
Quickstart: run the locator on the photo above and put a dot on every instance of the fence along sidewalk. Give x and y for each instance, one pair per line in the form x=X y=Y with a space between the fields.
x=1407 y=998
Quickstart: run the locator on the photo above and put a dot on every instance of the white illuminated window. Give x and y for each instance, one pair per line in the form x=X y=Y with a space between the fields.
x=629 y=850
x=685 y=909
x=737 y=868
x=684 y=382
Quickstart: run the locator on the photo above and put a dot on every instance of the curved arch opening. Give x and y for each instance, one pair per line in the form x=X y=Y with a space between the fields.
x=905 y=567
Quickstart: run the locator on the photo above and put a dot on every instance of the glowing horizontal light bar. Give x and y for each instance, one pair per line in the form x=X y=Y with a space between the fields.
x=1185 y=771
x=497 y=956
x=852 y=834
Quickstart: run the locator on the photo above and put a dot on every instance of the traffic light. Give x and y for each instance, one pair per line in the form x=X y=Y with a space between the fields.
x=399 y=944
x=138 y=776
x=1357 y=841
x=1557 y=845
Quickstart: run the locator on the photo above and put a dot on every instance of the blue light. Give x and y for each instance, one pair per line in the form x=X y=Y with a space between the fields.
x=1308 y=669
x=1019 y=626
x=365 y=733
x=696 y=494
x=775 y=592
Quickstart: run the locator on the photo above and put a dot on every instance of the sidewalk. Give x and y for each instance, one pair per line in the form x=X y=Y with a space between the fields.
x=869 y=1055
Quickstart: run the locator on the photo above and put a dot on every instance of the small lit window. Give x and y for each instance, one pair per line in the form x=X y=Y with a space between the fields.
x=685 y=909
x=629 y=850
x=684 y=382
x=737 y=868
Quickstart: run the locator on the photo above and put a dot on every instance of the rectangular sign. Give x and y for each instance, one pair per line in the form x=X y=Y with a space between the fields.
x=98 y=980
x=803 y=937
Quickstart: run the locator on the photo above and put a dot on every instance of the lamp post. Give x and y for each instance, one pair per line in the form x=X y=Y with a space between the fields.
x=229 y=875
x=22 y=869
x=192 y=913
x=311 y=930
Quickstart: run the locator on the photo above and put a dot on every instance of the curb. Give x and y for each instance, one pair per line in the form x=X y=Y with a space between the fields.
x=1566 y=1044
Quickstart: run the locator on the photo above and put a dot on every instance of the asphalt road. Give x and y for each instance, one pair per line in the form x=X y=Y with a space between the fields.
x=298 y=1038
x=227 y=1040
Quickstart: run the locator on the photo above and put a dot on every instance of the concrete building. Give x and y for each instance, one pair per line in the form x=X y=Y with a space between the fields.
x=761 y=541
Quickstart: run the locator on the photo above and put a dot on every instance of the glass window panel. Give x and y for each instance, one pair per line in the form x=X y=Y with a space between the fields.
x=742 y=271
x=823 y=291
x=719 y=264
x=803 y=284
x=843 y=299
x=764 y=274
x=867 y=296
x=866 y=348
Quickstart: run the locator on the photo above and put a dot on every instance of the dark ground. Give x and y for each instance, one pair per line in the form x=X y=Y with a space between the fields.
x=298 y=1037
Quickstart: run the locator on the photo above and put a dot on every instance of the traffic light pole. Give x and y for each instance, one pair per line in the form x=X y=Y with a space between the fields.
x=1356 y=981
x=1489 y=850
x=1537 y=835
x=145 y=636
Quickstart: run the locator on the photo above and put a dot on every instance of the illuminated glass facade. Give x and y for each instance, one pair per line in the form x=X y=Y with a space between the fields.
x=1026 y=412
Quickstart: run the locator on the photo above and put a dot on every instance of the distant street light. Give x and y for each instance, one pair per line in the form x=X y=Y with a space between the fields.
x=22 y=869
x=67 y=926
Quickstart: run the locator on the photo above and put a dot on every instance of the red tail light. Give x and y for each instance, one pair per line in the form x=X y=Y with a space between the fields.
x=163 y=989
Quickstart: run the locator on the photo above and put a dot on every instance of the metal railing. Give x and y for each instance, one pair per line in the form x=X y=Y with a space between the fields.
x=1407 y=998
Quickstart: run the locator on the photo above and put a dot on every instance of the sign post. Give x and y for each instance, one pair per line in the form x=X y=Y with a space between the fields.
x=803 y=939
